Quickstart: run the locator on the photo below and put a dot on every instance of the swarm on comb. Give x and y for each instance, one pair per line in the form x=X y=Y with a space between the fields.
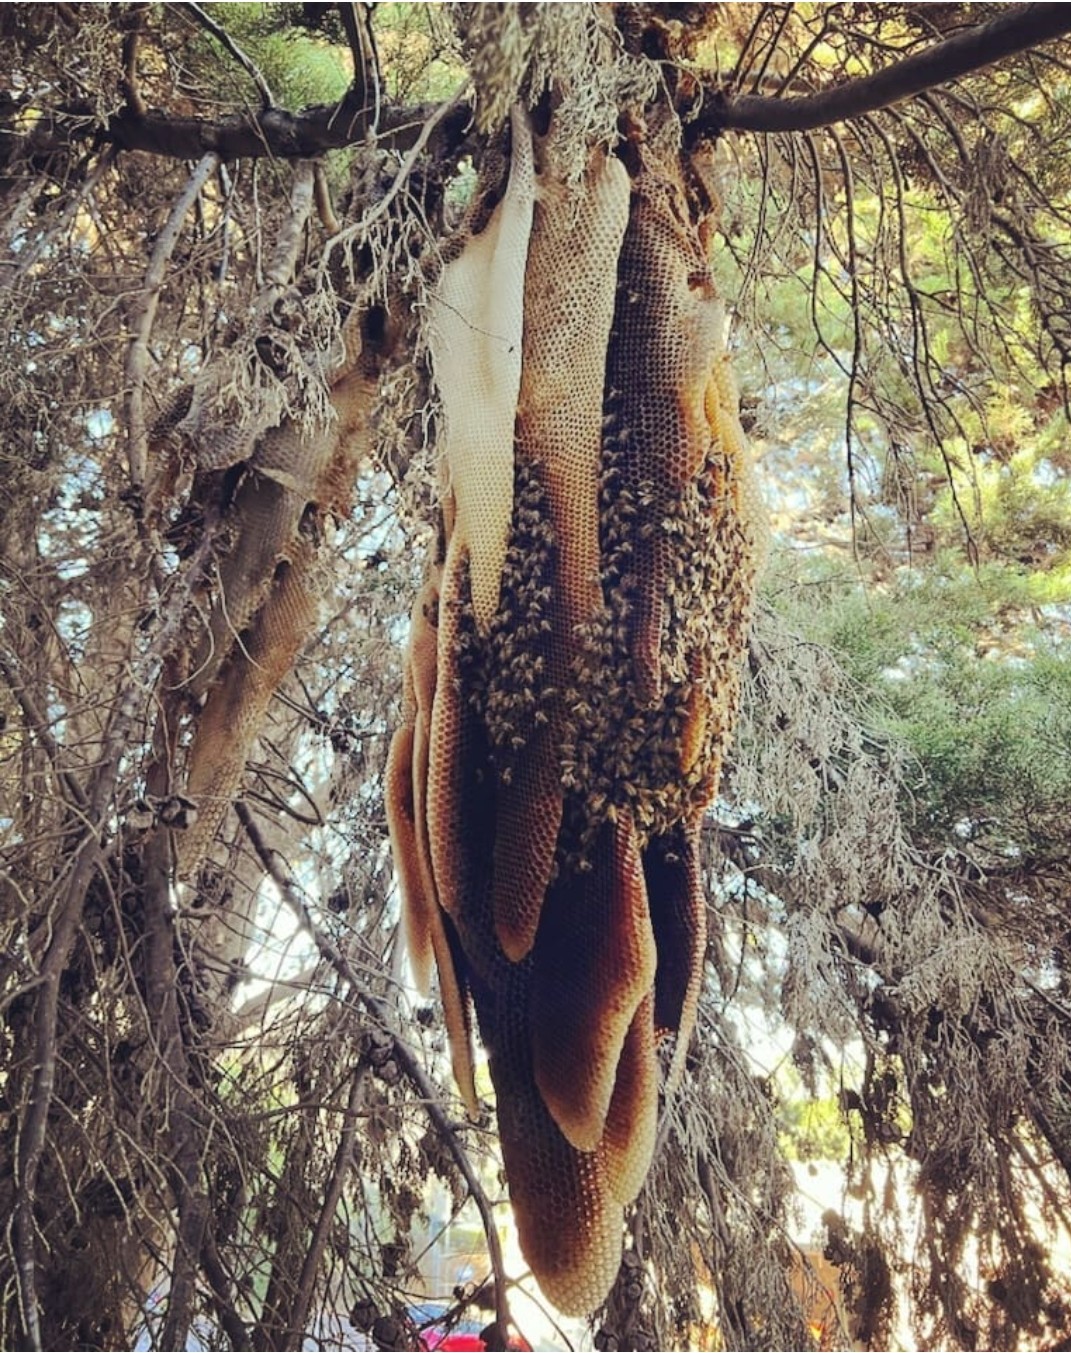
x=572 y=675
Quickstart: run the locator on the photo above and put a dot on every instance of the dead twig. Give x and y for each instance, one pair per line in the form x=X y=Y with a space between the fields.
x=267 y=99
x=144 y=313
x=418 y=1077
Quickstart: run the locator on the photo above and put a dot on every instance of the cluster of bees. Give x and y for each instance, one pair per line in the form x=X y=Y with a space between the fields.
x=548 y=833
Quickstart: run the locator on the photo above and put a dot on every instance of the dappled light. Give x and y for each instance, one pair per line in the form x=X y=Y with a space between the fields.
x=535 y=591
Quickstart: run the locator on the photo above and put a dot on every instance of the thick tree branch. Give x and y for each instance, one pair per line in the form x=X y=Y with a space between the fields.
x=1016 y=30
x=272 y=133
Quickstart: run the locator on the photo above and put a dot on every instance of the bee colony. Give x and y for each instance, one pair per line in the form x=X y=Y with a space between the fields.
x=573 y=671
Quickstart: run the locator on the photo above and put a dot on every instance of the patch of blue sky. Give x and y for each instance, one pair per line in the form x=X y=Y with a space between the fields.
x=74 y=621
x=99 y=424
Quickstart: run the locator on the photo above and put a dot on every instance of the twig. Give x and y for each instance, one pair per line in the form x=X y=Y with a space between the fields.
x=771 y=47
x=361 y=227
x=258 y=1007
x=324 y=206
x=83 y=859
x=745 y=59
x=855 y=504
x=291 y=232
x=267 y=99
x=28 y=259
x=131 y=41
x=356 y=20
x=38 y=726
x=280 y=876
x=143 y=317
x=339 y=1170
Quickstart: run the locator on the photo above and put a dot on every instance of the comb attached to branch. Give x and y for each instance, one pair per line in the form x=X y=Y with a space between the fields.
x=546 y=788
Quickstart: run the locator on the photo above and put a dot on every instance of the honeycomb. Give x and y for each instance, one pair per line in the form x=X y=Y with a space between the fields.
x=568 y=313
x=474 y=337
x=405 y=795
x=405 y=781
x=594 y=962
x=678 y=917
x=573 y=675
x=268 y=594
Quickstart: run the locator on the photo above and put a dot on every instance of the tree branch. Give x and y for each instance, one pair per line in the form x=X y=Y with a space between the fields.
x=131 y=90
x=340 y=1169
x=267 y=99
x=273 y=133
x=356 y=21
x=37 y=725
x=277 y=871
x=142 y=314
x=1016 y=30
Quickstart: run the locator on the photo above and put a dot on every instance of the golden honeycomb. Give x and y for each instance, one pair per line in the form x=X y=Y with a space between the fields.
x=573 y=674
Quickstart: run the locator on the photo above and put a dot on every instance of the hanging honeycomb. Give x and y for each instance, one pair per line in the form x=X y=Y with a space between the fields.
x=572 y=674
x=269 y=591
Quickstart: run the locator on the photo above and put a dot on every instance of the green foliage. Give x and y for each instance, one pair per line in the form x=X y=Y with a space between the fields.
x=1018 y=507
x=418 y=52
x=951 y=662
x=812 y=1124
x=301 y=67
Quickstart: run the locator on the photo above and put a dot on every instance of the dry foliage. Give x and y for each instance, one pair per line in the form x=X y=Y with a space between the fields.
x=219 y=1106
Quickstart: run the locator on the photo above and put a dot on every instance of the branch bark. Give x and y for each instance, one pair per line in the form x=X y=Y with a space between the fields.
x=270 y=133
x=275 y=133
x=1016 y=30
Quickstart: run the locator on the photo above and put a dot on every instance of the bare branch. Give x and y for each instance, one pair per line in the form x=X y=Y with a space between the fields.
x=325 y=208
x=37 y=724
x=145 y=313
x=408 y=165
x=421 y=1081
x=131 y=90
x=291 y=232
x=340 y=1169
x=267 y=99
x=366 y=78
x=272 y=133
x=1016 y=30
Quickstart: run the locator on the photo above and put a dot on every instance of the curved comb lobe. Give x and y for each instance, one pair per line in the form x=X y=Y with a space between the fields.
x=666 y=326
x=678 y=915
x=474 y=336
x=453 y=987
x=529 y=818
x=568 y=312
x=568 y=1222
x=632 y=1119
x=457 y=747
x=401 y=825
x=422 y=676
x=594 y=961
